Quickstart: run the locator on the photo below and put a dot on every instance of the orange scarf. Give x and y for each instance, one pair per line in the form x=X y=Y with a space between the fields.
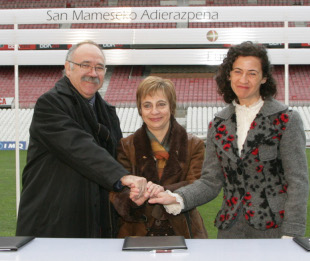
x=160 y=152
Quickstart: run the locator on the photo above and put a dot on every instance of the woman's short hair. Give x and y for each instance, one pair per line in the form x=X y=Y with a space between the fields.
x=268 y=89
x=151 y=85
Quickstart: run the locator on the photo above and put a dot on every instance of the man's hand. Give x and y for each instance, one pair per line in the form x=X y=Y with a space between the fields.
x=163 y=198
x=153 y=189
x=134 y=196
x=132 y=181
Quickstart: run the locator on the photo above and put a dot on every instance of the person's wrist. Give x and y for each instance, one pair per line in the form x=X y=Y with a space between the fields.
x=118 y=186
x=124 y=180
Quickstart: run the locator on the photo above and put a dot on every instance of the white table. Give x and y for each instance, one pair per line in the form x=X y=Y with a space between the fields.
x=57 y=249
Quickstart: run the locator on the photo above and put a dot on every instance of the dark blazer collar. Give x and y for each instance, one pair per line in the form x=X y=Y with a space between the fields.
x=64 y=86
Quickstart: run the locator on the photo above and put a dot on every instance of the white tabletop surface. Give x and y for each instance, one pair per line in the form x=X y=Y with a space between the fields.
x=57 y=249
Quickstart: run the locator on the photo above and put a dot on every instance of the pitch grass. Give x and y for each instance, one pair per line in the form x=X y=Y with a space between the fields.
x=8 y=195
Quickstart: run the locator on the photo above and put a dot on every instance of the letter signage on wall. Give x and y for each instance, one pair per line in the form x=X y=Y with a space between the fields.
x=155 y=14
x=10 y=145
x=6 y=102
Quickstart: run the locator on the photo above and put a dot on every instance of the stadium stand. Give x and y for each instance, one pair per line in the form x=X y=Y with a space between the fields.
x=129 y=118
x=193 y=88
x=195 y=85
x=197 y=121
x=33 y=82
x=198 y=125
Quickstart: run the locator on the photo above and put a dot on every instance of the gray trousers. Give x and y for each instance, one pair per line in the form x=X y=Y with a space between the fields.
x=241 y=229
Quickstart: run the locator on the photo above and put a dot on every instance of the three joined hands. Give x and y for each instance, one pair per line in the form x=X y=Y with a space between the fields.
x=151 y=191
x=141 y=191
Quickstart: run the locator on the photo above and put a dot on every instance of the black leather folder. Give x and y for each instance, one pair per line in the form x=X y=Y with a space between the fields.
x=154 y=243
x=13 y=243
x=303 y=242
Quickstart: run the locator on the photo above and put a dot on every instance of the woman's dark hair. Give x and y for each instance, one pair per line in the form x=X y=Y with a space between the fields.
x=268 y=89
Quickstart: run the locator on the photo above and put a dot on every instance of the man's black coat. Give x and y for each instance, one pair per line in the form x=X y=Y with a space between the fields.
x=69 y=167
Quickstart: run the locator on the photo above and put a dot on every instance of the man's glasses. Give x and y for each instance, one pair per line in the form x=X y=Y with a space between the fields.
x=87 y=67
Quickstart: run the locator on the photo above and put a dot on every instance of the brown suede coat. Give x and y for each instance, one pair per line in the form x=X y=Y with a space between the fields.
x=183 y=167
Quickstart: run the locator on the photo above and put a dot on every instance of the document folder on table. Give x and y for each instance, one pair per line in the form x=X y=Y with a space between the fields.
x=154 y=243
x=303 y=242
x=13 y=243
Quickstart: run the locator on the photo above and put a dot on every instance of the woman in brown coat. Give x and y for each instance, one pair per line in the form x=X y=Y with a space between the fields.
x=168 y=157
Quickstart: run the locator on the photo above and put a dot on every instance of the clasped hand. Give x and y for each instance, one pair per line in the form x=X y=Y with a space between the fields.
x=151 y=191
x=141 y=190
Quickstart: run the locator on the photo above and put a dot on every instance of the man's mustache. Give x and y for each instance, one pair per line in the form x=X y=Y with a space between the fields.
x=91 y=79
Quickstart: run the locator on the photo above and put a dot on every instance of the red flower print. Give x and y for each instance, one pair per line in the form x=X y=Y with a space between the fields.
x=228 y=203
x=227 y=216
x=226 y=146
x=270 y=224
x=222 y=128
x=247 y=196
x=284 y=189
x=276 y=122
x=222 y=218
x=281 y=212
x=259 y=168
x=255 y=151
x=234 y=200
x=210 y=125
x=279 y=136
x=283 y=128
x=230 y=138
x=284 y=117
x=218 y=136
x=250 y=213
x=219 y=157
x=253 y=125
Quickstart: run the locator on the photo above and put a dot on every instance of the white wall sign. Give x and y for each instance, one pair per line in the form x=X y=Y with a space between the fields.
x=155 y=14
x=6 y=101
